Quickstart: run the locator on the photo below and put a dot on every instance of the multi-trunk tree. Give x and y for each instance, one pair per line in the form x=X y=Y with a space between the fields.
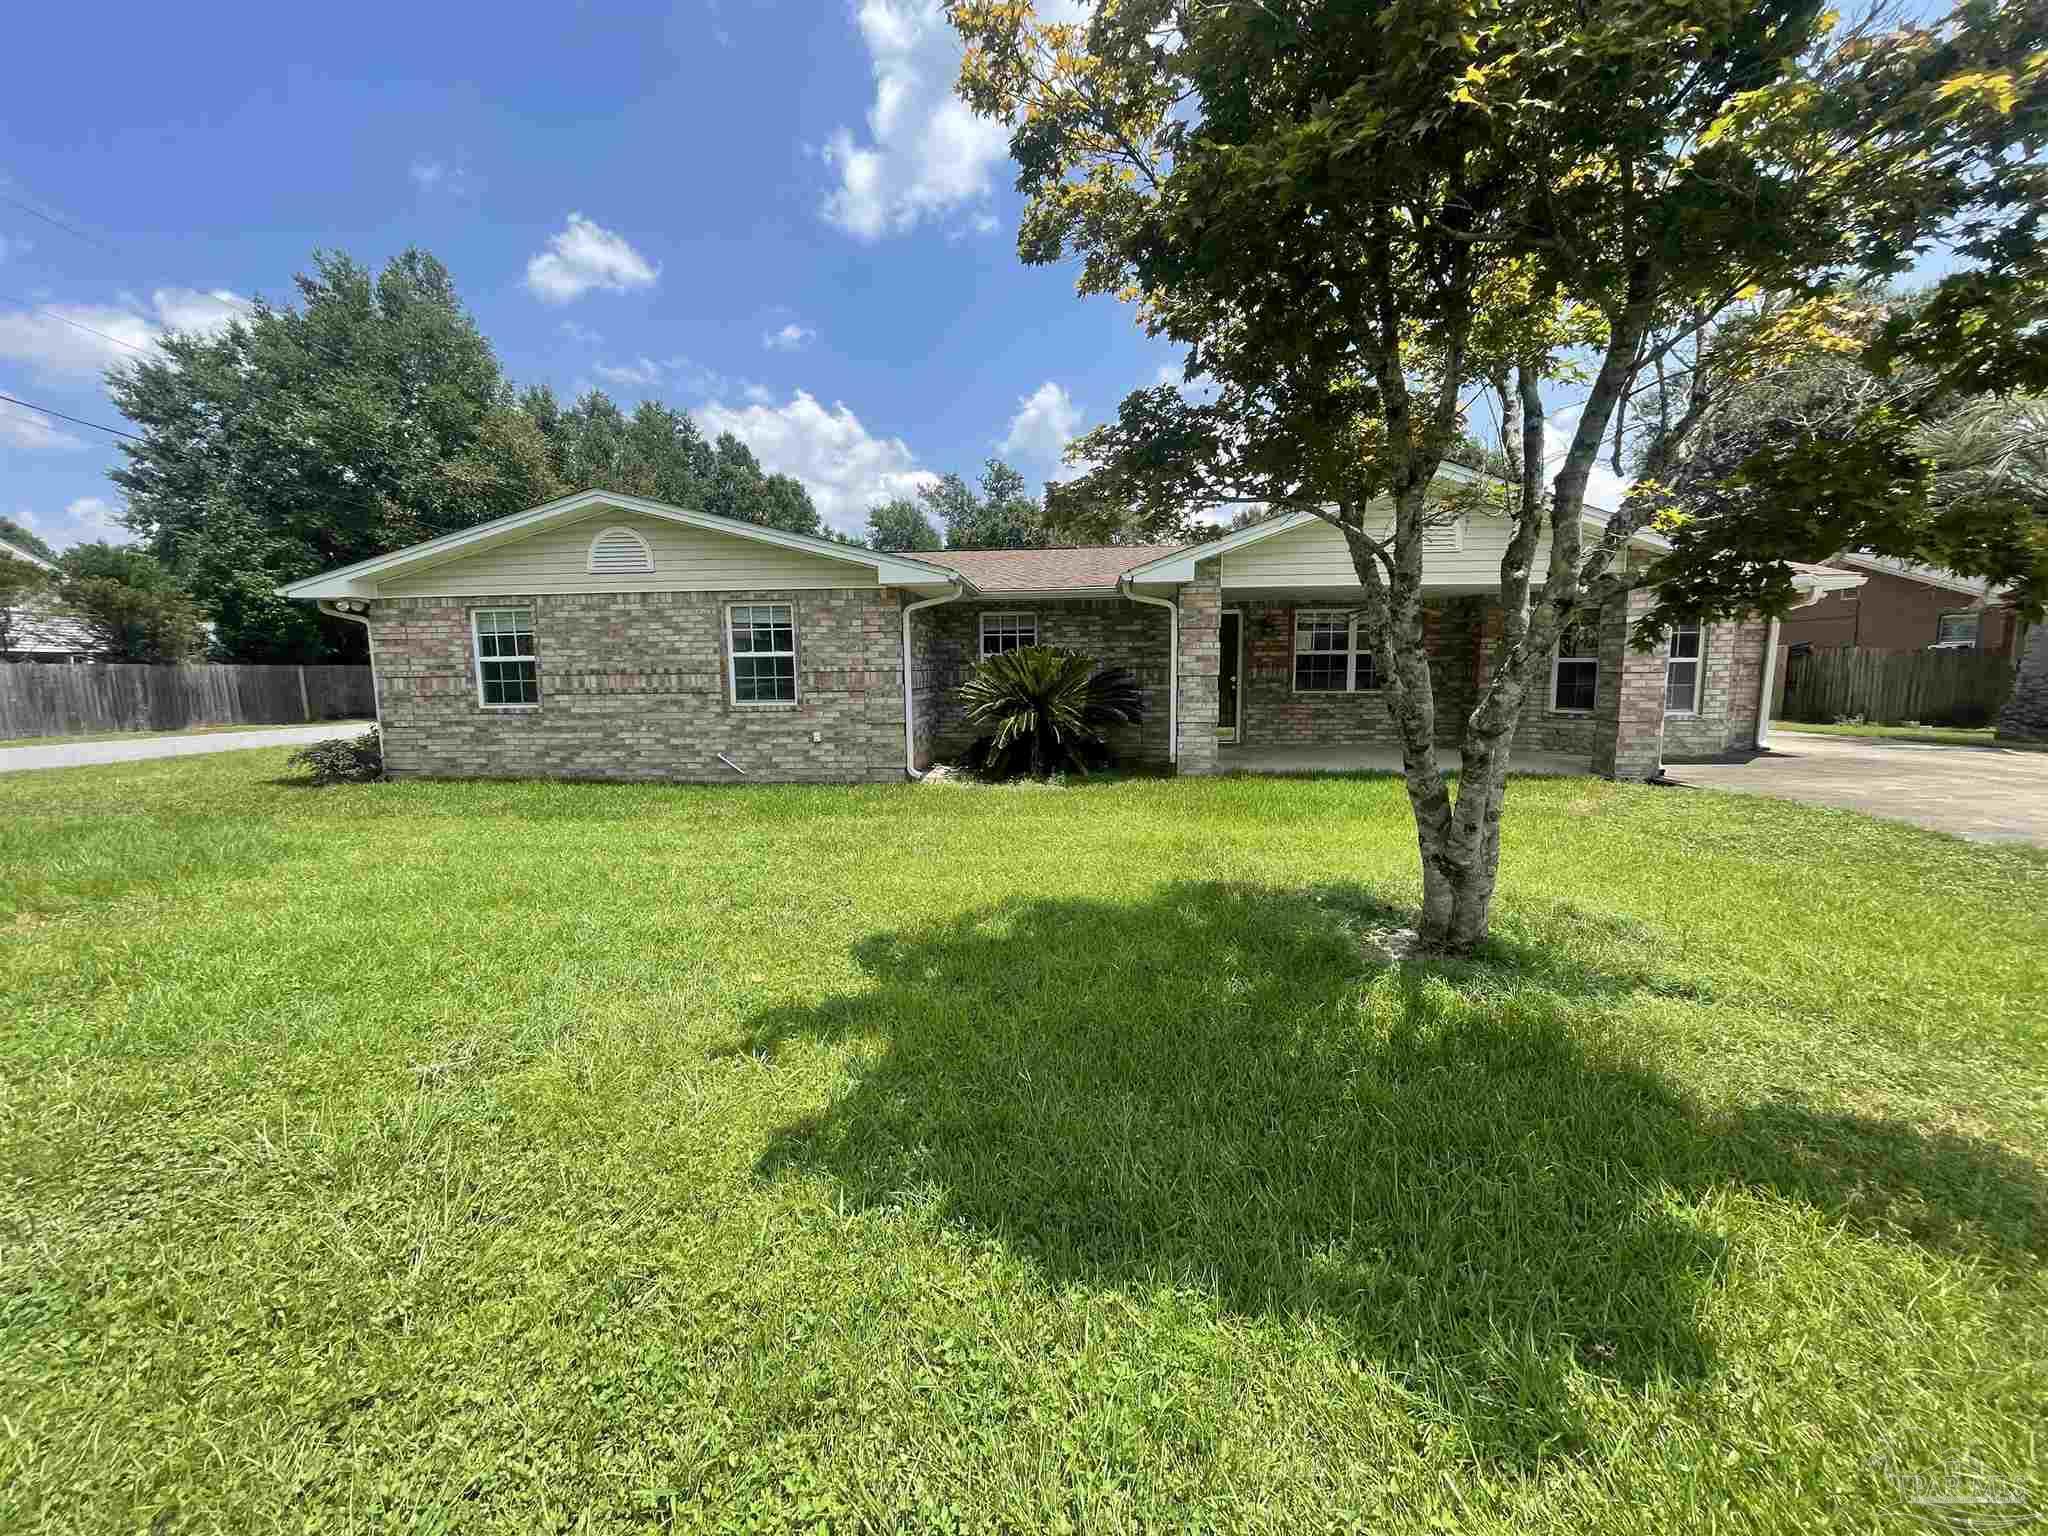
x=1360 y=219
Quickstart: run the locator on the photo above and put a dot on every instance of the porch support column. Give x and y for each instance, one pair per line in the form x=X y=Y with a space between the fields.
x=1628 y=735
x=1201 y=611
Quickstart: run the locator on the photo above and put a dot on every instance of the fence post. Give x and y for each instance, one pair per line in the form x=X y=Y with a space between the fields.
x=305 y=704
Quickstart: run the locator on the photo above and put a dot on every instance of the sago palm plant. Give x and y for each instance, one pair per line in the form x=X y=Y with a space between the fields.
x=1046 y=709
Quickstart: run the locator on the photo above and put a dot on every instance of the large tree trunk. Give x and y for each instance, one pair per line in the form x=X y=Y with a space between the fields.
x=2025 y=716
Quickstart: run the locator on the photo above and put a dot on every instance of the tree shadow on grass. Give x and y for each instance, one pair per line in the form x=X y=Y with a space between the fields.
x=1213 y=1090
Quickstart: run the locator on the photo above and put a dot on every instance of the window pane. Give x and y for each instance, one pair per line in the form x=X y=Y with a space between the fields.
x=1681 y=682
x=510 y=682
x=1578 y=683
x=503 y=637
x=1320 y=671
x=1685 y=641
x=1322 y=632
x=1007 y=632
x=764 y=679
x=1368 y=670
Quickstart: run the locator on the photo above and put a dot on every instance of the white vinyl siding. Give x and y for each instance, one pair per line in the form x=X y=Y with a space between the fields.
x=1465 y=554
x=686 y=559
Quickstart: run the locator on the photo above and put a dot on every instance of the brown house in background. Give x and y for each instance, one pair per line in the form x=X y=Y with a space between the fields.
x=1904 y=607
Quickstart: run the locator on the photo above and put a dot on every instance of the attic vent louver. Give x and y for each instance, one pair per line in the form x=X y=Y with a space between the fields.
x=620 y=552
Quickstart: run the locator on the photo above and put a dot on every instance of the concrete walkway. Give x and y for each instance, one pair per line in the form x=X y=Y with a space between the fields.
x=80 y=754
x=1986 y=794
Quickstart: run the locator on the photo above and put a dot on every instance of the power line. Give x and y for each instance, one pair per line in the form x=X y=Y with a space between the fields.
x=75 y=420
x=80 y=325
x=68 y=229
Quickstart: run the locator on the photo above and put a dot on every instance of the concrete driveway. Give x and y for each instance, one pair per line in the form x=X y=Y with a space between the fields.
x=80 y=754
x=1987 y=794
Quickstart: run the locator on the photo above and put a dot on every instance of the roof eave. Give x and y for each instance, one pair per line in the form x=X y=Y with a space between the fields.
x=360 y=579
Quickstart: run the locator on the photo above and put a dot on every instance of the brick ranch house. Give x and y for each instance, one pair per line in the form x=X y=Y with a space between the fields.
x=607 y=637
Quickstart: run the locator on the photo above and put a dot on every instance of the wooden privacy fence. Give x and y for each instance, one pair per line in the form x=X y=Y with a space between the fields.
x=47 y=700
x=1891 y=687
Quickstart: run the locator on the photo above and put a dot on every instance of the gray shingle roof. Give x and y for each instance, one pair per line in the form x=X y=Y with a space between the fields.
x=1090 y=568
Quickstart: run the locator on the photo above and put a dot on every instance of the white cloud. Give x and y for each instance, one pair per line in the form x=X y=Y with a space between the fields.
x=34 y=431
x=92 y=518
x=446 y=177
x=186 y=309
x=1045 y=423
x=645 y=374
x=89 y=338
x=582 y=335
x=846 y=469
x=1604 y=488
x=14 y=246
x=790 y=338
x=924 y=152
x=586 y=256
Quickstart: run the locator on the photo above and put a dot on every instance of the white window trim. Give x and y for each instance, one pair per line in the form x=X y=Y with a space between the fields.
x=476 y=652
x=1699 y=677
x=646 y=568
x=1557 y=661
x=732 y=662
x=981 y=629
x=1976 y=615
x=1351 y=654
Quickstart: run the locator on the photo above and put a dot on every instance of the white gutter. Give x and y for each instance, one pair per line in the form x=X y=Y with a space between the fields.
x=909 y=709
x=357 y=613
x=1172 y=663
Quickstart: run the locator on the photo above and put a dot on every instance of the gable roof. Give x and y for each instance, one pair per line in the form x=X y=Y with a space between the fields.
x=359 y=580
x=1082 y=569
x=1910 y=570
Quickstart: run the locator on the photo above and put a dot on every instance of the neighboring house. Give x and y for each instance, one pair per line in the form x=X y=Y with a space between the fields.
x=604 y=636
x=1902 y=606
x=40 y=634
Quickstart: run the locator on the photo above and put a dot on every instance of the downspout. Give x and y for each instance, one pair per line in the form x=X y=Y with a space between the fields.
x=1763 y=704
x=358 y=613
x=1172 y=608
x=909 y=708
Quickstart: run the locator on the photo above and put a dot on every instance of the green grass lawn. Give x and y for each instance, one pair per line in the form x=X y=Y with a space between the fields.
x=544 y=1157
x=1932 y=735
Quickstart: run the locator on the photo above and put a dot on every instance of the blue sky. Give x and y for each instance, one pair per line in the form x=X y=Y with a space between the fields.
x=772 y=214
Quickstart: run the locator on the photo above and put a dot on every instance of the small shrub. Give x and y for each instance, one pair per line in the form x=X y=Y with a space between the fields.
x=341 y=759
x=1049 y=708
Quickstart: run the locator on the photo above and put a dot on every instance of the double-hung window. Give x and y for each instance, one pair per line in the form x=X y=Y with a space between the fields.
x=762 y=652
x=1328 y=654
x=1002 y=632
x=1575 y=675
x=1958 y=628
x=1683 y=664
x=507 y=670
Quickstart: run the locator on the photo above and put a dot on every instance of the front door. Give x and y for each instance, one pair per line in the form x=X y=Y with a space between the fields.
x=1227 y=674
